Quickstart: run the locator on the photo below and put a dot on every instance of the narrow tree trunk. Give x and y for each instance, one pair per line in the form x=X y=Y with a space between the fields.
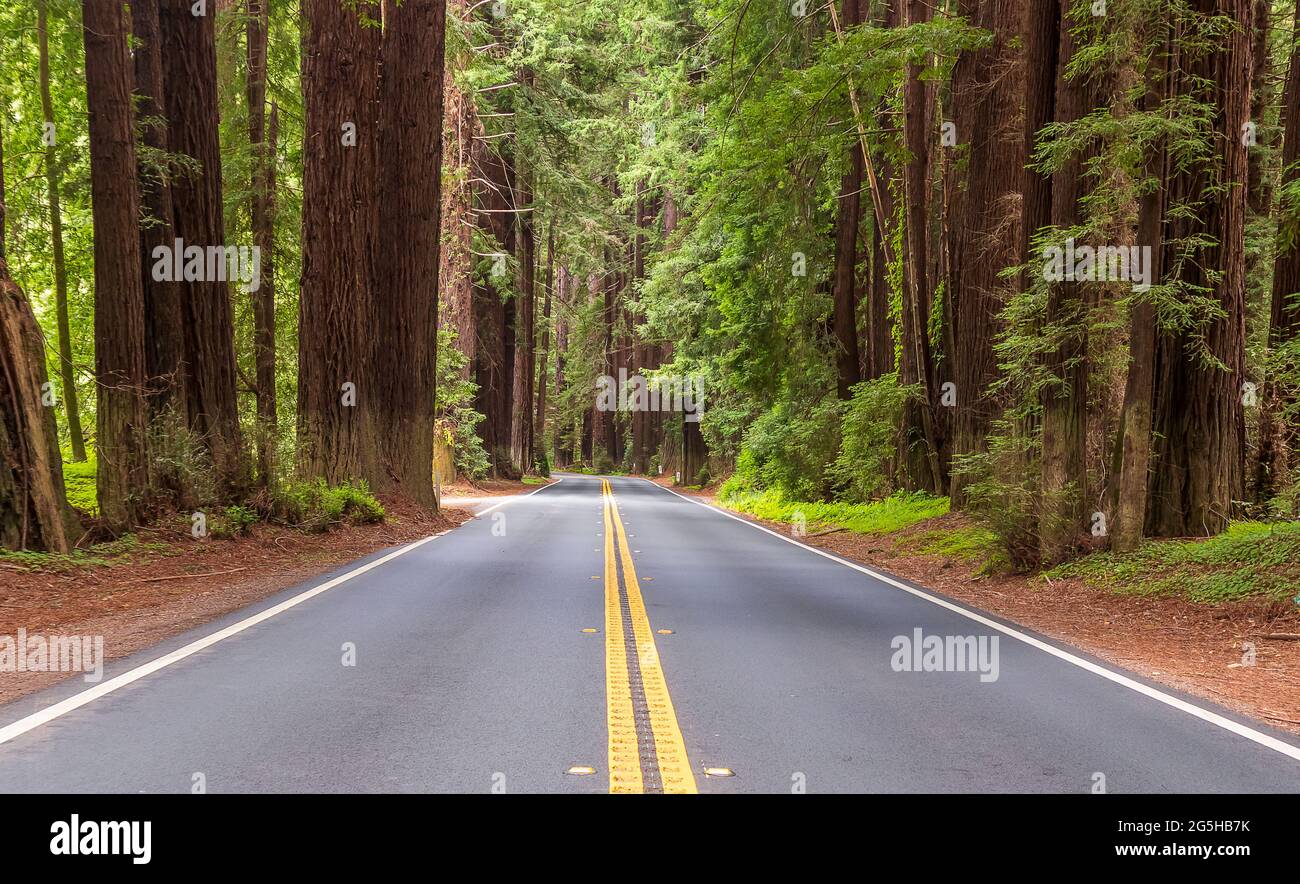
x=164 y=326
x=1277 y=442
x=456 y=259
x=494 y=318
x=1064 y=475
x=190 y=78
x=339 y=219
x=53 y=182
x=539 y=422
x=522 y=408
x=563 y=447
x=406 y=296
x=847 y=216
x=121 y=417
x=1128 y=526
x=919 y=439
x=263 y=222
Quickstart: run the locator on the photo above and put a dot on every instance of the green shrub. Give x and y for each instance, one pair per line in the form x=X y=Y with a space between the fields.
x=869 y=429
x=79 y=483
x=542 y=464
x=234 y=521
x=1002 y=486
x=317 y=506
x=789 y=450
x=457 y=418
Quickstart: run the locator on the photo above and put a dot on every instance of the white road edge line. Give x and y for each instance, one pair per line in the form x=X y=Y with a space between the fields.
x=76 y=701
x=1214 y=718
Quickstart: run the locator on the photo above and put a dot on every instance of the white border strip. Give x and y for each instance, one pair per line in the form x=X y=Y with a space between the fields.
x=76 y=701
x=1214 y=718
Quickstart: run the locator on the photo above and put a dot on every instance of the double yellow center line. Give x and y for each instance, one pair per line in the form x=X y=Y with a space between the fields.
x=646 y=750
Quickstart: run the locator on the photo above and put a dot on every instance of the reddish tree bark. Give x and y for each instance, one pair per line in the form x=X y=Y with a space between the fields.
x=189 y=60
x=406 y=293
x=263 y=223
x=1277 y=441
x=1198 y=425
x=339 y=220
x=121 y=416
x=163 y=321
x=847 y=216
x=982 y=229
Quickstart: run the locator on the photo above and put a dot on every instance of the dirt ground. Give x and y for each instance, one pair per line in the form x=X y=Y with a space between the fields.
x=1196 y=648
x=148 y=596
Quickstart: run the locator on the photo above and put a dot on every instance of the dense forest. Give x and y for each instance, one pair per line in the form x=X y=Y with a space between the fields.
x=1036 y=257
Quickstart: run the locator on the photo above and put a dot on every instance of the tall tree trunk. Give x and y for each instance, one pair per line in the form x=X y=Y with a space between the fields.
x=53 y=182
x=263 y=221
x=121 y=417
x=406 y=294
x=539 y=422
x=563 y=445
x=920 y=444
x=1128 y=526
x=847 y=216
x=190 y=78
x=982 y=234
x=1277 y=440
x=521 y=423
x=339 y=219
x=1064 y=476
x=1198 y=423
x=1043 y=39
x=456 y=259
x=164 y=326
x=494 y=317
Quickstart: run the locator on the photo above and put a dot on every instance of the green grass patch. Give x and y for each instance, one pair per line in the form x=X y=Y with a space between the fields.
x=1249 y=559
x=79 y=483
x=960 y=543
x=535 y=480
x=879 y=517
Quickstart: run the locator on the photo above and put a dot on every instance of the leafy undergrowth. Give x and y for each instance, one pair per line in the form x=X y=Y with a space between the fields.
x=127 y=548
x=879 y=517
x=969 y=542
x=1249 y=559
x=79 y=482
x=316 y=506
x=310 y=507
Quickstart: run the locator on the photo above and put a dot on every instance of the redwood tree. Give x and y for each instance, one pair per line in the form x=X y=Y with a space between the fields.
x=339 y=215
x=189 y=66
x=406 y=290
x=121 y=417
x=1198 y=424
x=263 y=223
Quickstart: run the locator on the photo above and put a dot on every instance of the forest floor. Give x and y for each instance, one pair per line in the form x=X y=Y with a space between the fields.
x=1193 y=646
x=161 y=581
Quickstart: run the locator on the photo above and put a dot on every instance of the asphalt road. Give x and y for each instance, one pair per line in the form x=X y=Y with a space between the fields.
x=472 y=673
